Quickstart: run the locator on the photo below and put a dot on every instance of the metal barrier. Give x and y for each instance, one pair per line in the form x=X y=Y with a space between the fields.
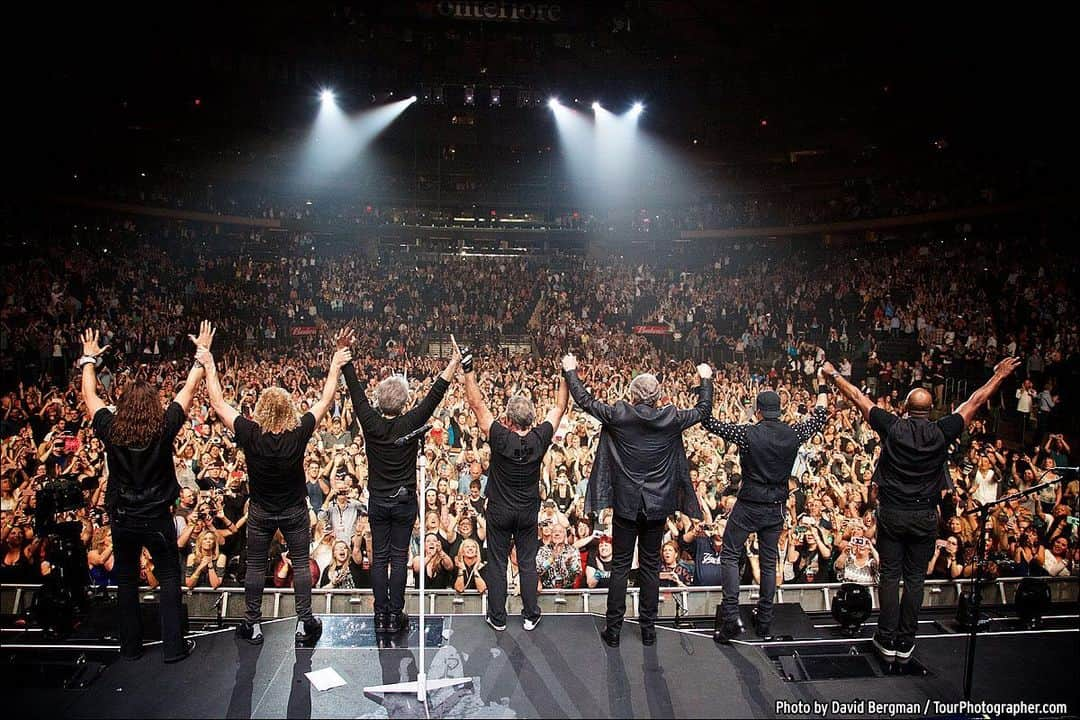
x=228 y=603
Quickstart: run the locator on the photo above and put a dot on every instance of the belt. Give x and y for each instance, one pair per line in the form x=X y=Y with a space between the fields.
x=401 y=492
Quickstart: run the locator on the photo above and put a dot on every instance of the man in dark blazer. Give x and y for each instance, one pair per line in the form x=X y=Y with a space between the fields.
x=642 y=473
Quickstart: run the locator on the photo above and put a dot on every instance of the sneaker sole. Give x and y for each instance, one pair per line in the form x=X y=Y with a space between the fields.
x=903 y=657
x=534 y=623
x=885 y=652
x=493 y=626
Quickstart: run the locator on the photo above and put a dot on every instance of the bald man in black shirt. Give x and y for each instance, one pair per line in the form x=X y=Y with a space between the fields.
x=911 y=475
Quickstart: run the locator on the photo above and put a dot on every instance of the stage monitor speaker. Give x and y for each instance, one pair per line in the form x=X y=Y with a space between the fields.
x=789 y=621
x=104 y=618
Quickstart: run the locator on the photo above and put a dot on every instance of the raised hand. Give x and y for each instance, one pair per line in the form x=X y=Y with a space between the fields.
x=344 y=338
x=90 y=344
x=704 y=371
x=1006 y=367
x=569 y=362
x=827 y=368
x=465 y=354
x=206 y=335
x=456 y=359
x=341 y=358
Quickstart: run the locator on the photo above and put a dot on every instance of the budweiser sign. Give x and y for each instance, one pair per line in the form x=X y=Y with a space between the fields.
x=652 y=330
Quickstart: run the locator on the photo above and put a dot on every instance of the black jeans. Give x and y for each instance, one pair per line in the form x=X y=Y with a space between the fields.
x=158 y=536
x=261 y=526
x=647 y=534
x=767 y=520
x=905 y=542
x=391 y=529
x=502 y=525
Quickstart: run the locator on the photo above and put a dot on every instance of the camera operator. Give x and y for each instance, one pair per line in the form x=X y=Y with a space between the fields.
x=142 y=488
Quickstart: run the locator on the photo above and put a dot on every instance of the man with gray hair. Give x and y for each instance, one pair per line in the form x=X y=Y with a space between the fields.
x=641 y=471
x=513 y=492
x=392 y=498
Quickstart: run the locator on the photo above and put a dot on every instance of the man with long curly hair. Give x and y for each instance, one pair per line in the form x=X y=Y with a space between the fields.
x=273 y=444
x=138 y=439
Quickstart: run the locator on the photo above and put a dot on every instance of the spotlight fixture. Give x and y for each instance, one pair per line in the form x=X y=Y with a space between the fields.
x=327 y=95
x=553 y=103
x=851 y=607
x=496 y=97
x=637 y=108
x=596 y=105
x=470 y=94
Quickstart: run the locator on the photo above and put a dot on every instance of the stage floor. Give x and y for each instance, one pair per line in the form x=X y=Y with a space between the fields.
x=562 y=669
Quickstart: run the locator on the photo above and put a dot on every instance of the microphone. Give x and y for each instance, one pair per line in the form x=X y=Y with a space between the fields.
x=415 y=433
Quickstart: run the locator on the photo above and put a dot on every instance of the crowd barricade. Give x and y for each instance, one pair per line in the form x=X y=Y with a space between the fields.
x=228 y=603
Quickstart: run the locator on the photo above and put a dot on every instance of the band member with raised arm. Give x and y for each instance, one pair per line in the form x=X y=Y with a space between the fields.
x=767 y=452
x=911 y=476
x=640 y=471
x=513 y=491
x=138 y=439
x=392 y=499
x=274 y=442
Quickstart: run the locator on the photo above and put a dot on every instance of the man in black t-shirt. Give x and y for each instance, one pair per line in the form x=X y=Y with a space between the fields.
x=274 y=452
x=513 y=491
x=142 y=489
x=911 y=476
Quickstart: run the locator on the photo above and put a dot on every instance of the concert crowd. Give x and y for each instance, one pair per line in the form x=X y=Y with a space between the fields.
x=926 y=311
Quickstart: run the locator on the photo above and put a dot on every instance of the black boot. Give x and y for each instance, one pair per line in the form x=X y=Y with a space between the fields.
x=308 y=632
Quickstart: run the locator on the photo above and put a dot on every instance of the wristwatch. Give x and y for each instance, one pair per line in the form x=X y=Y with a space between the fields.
x=88 y=359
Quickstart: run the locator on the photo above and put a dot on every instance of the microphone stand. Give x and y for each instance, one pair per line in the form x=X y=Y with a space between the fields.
x=422 y=684
x=983 y=511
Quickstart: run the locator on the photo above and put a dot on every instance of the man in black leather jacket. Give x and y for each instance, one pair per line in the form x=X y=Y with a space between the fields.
x=641 y=472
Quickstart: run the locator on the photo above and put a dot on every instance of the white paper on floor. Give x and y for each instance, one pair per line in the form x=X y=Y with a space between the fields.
x=325 y=679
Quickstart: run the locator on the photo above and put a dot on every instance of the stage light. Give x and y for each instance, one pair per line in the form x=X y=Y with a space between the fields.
x=412 y=98
x=470 y=94
x=637 y=109
x=327 y=96
x=496 y=96
x=1032 y=601
x=596 y=105
x=553 y=103
x=851 y=607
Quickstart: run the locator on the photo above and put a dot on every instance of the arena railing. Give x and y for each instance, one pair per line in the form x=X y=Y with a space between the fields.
x=228 y=603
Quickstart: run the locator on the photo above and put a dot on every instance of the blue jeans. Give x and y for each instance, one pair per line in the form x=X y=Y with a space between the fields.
x=767 y=520
x=391 y=529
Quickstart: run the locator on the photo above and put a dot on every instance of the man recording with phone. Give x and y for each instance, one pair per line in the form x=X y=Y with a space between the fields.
x=911 y=476
x=767 y=452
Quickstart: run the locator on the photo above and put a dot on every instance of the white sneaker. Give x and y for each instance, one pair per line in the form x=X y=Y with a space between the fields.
x=494 y=625
x=531 y=624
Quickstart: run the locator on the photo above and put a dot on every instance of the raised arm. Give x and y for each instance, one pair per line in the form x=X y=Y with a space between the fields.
x=330 y=386
x=473 y=395
x=703 y=408
x=601 y=411
x=819 y=415
x=562 y=399
x=90 y=358
x=225 y=412
x=195 y=375
x=1002 y=370
x=849 y=391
